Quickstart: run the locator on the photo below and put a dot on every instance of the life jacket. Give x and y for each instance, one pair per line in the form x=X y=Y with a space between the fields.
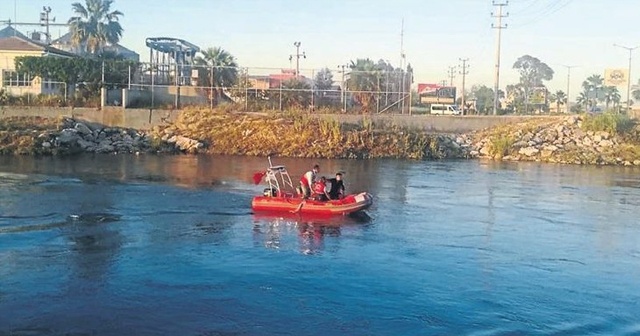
x=319 y=188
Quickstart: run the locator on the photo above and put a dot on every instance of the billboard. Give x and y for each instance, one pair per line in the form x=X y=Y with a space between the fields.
x=615 y=77
x=538 y=96
x=436 y=94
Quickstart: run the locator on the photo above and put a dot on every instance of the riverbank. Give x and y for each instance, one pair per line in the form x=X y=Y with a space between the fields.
x=604 y=140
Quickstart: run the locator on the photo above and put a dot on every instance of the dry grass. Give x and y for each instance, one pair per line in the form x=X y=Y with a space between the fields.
x=296 y=134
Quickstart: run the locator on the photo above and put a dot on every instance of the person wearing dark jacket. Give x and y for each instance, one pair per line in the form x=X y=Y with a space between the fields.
x=337 y=187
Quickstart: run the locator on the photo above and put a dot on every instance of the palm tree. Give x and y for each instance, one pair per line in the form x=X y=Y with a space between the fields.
x=219 y=69
x=583 y=100
x=593 y=82
x=561 y=99
x=592 y=85
x=611 y=95
x=364 y=81
x=95 y=25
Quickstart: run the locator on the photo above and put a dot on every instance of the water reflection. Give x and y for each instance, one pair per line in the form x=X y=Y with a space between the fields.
x=191 y=170
x=95 y=243
x=303 y=233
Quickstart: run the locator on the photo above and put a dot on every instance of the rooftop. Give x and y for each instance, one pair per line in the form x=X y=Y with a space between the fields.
x=17 y=43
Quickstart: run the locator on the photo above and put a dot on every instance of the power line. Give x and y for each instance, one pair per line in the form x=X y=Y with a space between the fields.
x=551 y=9
x=499 y=27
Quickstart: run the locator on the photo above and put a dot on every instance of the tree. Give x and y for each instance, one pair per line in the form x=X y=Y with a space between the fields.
x=636 y=94
x=584 y=101
x=515 y=98
x=322 y=83
x=593 y=89
x=95 y=25
x=611 y=95
x=593 y=82
x=558 y=97
x=364 y=82
x=78 y=70
x=533 y=73
x=296 y=93
x=323 y=79
x=484 y=97
x=218 y=69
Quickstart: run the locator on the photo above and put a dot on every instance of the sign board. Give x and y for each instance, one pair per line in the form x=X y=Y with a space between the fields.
x=538 y=96
x=436 y=94
x=616 y=77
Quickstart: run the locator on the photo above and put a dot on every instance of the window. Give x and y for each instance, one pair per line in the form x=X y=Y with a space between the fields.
x=12 y=78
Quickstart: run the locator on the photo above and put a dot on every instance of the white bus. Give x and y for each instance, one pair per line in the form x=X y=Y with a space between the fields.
x=445 y=109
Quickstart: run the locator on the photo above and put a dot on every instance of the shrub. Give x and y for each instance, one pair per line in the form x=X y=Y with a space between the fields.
x=500 y=145
x=608 y=122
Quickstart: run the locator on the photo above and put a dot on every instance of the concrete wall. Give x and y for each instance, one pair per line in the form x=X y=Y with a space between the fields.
x=142 y=119
x=145 y=119
x=165 y=96
x=431 y=123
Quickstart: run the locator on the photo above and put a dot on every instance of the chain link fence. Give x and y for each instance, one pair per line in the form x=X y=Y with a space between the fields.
x=170 y=86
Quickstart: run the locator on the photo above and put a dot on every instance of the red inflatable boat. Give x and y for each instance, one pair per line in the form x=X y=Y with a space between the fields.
x=281 y=196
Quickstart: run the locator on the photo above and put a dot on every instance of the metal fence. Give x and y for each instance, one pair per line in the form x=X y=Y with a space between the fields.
x=255 y=89
x=152 y=85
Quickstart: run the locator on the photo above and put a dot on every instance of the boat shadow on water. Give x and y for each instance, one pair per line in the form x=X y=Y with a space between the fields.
x=278 y=230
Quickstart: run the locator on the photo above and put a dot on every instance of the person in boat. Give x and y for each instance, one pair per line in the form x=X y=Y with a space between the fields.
x=307 y=180
x=320 y=190
x=337 y=189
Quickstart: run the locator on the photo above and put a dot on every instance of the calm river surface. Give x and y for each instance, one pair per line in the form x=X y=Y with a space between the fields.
x=126 y=245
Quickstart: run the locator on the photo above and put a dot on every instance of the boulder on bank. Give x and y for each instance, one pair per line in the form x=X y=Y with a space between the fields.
x=560 y=141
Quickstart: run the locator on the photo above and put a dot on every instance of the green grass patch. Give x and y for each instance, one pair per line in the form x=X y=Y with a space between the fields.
x=500 y=145
x=608 y=122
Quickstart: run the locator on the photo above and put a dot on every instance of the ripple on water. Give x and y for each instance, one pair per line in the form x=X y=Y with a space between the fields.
x=453 y=248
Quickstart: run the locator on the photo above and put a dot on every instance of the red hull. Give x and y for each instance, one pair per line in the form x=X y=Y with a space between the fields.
x=349 y=204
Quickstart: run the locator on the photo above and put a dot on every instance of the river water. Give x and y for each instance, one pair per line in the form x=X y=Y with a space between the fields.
x=148 y=245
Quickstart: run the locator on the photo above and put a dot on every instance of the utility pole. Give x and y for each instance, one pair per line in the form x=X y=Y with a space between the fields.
x=402 y=62
x=452 y=74
x=44 y=21
x=343 y=94
x=630 y=49
x=464 y=71
x=568 y=85
x=499 y=27
x=297 y=56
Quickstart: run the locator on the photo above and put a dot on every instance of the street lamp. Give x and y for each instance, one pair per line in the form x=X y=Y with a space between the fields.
x=630 y=49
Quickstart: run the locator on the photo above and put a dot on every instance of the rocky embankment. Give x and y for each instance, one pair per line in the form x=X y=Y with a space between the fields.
x=76 y=136
x=566 y=141
x=570 y=140
x=25 y=136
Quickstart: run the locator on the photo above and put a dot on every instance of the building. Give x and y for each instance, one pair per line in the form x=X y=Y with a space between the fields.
x=18 y=84
x=65 y=43
x=274 y=81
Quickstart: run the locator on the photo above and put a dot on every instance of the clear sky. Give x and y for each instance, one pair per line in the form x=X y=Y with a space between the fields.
x=260 y=33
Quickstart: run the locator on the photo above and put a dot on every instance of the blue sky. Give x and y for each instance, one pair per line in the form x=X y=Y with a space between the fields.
x=260 y=33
